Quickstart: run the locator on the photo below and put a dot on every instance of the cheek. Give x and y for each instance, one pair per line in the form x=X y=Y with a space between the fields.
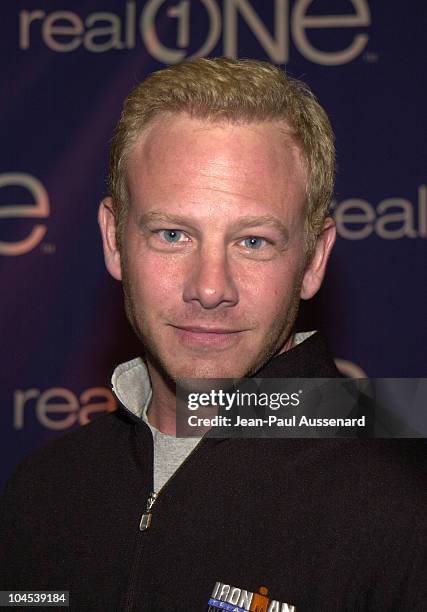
x=270 y=292
x=155 y=280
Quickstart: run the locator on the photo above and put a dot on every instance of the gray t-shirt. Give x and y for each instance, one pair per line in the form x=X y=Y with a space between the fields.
x=169 y=452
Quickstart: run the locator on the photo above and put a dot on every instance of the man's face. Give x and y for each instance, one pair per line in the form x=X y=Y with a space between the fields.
x=213 y=255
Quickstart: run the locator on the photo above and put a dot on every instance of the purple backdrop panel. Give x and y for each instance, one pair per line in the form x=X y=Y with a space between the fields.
x=67 y=67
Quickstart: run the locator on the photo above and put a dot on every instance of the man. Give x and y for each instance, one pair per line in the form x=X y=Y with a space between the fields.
x=221 y=174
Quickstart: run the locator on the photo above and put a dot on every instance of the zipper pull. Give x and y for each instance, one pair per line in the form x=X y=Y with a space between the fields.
x=145 y=521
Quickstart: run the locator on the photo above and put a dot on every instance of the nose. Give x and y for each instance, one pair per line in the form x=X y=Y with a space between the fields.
x=210 y=281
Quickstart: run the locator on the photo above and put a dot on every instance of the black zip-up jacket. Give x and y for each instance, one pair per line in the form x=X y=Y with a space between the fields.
x=326 y=525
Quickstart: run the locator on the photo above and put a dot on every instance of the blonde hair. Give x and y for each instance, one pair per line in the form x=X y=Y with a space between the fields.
x=232 y=90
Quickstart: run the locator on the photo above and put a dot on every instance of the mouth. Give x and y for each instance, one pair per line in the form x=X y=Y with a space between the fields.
x=207 y=337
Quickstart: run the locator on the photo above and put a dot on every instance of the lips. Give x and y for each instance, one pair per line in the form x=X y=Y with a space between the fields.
x=196 y=336
x=207 y=330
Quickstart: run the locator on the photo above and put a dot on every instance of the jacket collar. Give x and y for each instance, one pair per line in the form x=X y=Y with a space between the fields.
x=310 y=358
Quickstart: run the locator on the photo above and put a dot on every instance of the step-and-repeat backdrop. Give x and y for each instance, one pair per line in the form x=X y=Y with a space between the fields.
x=66 y=67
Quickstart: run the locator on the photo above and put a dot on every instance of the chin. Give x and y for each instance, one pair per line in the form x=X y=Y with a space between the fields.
x=204 y=368
x=207 y=371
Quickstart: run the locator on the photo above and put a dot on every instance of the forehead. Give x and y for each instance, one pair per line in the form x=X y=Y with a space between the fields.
x=184 y=161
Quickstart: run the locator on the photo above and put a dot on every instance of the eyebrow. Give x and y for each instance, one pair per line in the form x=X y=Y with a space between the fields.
x=254 y=221
x=242 y=222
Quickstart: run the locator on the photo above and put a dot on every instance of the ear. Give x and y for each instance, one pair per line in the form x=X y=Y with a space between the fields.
x=107 y=224
x=316 y=267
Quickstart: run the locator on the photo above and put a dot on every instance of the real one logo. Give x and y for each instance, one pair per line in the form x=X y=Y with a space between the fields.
x=38 y=209
x=390 y=219
x=59 y=408
x=66 y=31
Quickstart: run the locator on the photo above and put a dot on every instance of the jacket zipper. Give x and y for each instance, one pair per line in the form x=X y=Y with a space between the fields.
x=144 y=524
x=145 y=521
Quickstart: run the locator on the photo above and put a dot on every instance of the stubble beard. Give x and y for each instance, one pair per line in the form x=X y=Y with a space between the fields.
x=276 y=337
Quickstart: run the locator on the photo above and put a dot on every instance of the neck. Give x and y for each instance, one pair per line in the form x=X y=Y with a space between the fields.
x=288 y=344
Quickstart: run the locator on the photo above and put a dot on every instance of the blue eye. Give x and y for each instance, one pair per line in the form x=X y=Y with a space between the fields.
x=171 y=235
x=253 y=242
